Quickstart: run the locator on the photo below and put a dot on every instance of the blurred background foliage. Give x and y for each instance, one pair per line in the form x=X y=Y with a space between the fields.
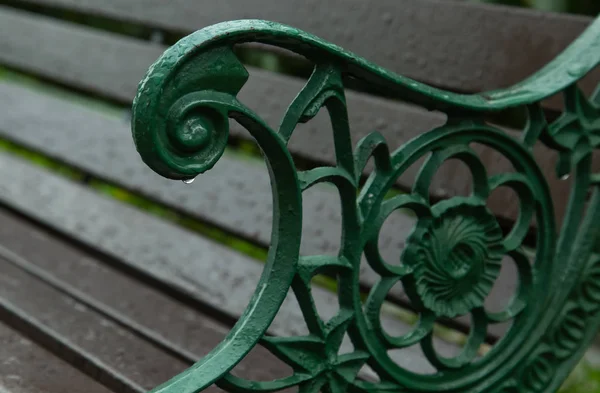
x=584 y=7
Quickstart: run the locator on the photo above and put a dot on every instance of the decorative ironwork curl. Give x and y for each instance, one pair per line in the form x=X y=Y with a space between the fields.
x=453 y=255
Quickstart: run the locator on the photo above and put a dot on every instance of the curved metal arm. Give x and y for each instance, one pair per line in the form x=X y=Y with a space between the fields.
x=453 y=255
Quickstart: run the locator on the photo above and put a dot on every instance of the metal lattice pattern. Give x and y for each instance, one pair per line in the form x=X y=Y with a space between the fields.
x=453 y=255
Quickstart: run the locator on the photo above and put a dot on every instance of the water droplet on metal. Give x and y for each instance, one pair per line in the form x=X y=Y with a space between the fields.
x=189 y=181
x=576 y=69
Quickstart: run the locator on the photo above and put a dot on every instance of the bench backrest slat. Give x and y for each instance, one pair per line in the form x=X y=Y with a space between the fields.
x=452 y=44
x=111 y=65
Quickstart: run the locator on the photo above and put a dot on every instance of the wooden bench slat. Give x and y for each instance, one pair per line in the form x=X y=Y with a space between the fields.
x=58 y=344
x=238 y=198
x=112 y=66
x=196 y=267
x=120 y=350
x=28 y=368
x=81 y=57
x=191 y=333
x=459 y=45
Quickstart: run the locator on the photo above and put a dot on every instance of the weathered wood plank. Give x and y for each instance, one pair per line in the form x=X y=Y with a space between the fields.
x=454 y=44
x=65 y=349
x=120 y=350
x=28 y=368
x=235 y=194
x=120 y=299
x=191 y=265
x=86 y=58
x=112 y=66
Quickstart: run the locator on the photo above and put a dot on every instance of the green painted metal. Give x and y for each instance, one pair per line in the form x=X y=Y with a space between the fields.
x=453 y=255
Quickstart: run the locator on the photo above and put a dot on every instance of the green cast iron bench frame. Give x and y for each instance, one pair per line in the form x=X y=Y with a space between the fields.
x=453 y=255
x=115 y=279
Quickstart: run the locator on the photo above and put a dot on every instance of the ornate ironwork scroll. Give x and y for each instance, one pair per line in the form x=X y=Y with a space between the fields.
x=453 y=255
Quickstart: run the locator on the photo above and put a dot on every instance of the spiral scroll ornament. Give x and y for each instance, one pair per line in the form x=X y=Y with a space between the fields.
x=180 y=122
x=179 y=128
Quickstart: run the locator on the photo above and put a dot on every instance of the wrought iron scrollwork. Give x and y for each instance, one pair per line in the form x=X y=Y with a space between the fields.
x=453 y=255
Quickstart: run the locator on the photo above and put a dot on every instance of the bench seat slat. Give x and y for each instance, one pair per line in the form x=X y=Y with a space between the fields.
x=454 y=44
x=133 y=304
x=120 y=351
x=28 y=368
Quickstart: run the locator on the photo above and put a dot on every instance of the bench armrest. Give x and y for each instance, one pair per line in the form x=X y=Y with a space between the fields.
x=454 y=254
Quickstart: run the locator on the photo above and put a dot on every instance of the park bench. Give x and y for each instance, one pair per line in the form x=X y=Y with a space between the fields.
x=463 y=262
